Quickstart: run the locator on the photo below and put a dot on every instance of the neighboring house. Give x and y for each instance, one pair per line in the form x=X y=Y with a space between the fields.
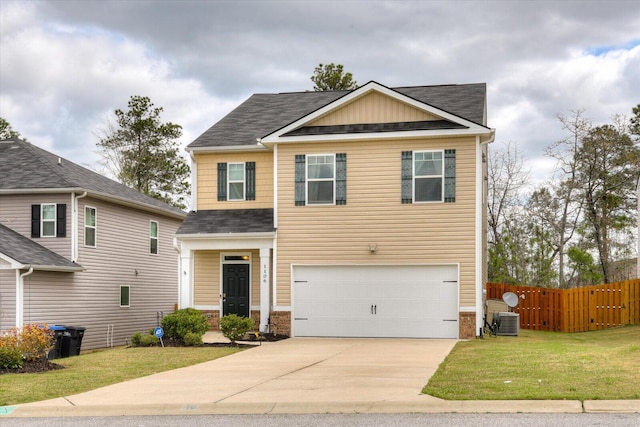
x=350 y=213
x=79 y=249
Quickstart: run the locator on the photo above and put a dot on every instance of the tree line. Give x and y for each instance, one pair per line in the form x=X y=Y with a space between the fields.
x=578 y=228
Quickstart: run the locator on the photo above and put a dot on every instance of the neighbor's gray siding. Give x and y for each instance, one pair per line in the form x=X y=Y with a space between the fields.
x=91 y=298
x=7 y=299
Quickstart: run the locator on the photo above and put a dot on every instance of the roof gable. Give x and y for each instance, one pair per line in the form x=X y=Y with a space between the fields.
x=396 y=104
x=25 y=167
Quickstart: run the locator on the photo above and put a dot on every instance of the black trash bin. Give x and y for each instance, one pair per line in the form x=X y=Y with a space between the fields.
x=72 y=341
x=58 y=333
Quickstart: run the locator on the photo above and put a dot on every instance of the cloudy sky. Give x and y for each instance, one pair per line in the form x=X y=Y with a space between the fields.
x=66 y=65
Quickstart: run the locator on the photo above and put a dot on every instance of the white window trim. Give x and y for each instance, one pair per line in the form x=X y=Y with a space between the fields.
x=95 y=228
x=120 y=296
x=244 y=181
x=157 y=238
x=306 y=179
x=413 y=167
x=55 y=220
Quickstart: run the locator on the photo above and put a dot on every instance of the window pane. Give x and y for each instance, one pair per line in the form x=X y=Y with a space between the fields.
x=320 y=192
x=153 y=230
x=49 y=212
x=153 y=247
x=48 y=229
x=428 y=189
x=90 y=236
x=430 y=165
x=236 y=191
x=320 y=167
x=90 y=217
x=124 y=296
x=236 y=172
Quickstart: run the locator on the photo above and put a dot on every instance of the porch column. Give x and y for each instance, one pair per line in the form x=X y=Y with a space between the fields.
x=265 y=266
x=185 y=282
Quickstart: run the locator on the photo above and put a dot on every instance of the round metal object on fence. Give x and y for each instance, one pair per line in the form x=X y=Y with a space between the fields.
x=511 y=299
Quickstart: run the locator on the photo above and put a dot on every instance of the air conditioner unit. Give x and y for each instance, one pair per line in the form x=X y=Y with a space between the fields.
x=509 y=324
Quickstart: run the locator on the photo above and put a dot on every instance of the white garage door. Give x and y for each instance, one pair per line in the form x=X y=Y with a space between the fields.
x=376 y=301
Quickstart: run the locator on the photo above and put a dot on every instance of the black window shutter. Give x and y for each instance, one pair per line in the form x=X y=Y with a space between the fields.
x=407 y=177
x=35 y=220
x=341 y=179
x=300 y=195
x=61 y=220
x=449 y=176
x=222 y=182
x=250 y=178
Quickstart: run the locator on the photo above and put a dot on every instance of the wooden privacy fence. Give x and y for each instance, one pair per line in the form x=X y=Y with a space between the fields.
x=574 y=310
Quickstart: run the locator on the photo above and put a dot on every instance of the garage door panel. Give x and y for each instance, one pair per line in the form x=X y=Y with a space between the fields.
x=376 y=301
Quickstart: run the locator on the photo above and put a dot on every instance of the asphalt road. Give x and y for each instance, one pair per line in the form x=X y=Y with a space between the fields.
x=351 y=420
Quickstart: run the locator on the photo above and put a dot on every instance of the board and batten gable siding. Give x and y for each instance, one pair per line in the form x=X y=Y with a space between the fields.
x=418 y=233
x=208 y=180
x=122 y=249
x=207 y=277
x=15 y=213
x=373 y=107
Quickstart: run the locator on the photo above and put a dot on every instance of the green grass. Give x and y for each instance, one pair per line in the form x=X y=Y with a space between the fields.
x=101 y=368
x=597 y=365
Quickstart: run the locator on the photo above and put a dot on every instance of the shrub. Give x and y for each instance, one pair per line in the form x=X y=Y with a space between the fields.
x=179 y=323
x=234 y=327
x=33 y=341
x=148 y=341
x=136 y=338
x=191 y=339
x=10 y=358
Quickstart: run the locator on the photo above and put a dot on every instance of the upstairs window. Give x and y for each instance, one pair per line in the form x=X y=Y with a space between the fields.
x=153 y=237
x=321 y=179
x=90 y=226
x=49 y=220
x=236 y=181
x=428 y=176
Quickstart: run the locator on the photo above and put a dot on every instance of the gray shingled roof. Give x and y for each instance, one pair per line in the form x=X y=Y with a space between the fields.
x=23 y=166
x=228 y=221
x=263 y=114
x=375 y=127
x=27 y=252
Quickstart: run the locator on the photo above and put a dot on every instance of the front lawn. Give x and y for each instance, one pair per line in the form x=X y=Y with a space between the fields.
x=597 y=365
x=101 y=368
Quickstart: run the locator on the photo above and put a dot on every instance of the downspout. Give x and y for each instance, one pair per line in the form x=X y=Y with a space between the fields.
x=194 y=182
x=20 y=296
x=480 y=205
x=74 y=225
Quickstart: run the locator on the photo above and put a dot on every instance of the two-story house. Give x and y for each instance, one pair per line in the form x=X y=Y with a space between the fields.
x=345 y=213
x=79 y=249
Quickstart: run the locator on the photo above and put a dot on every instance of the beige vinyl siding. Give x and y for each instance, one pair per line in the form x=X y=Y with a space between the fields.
x=15 y=213
x=373 y=108
x=207 y=276
x=419 y=233
x=208 y=180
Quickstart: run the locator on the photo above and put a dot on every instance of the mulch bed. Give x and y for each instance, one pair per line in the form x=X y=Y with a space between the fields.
x=32 y=367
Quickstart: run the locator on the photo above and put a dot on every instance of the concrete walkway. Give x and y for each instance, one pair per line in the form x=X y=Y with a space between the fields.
x=299 y=375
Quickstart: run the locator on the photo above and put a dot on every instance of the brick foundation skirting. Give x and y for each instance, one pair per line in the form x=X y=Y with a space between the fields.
x=280 y=323
x=467 y=325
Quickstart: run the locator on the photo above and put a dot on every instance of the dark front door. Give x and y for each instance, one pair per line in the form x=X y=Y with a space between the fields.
x=235 y=289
